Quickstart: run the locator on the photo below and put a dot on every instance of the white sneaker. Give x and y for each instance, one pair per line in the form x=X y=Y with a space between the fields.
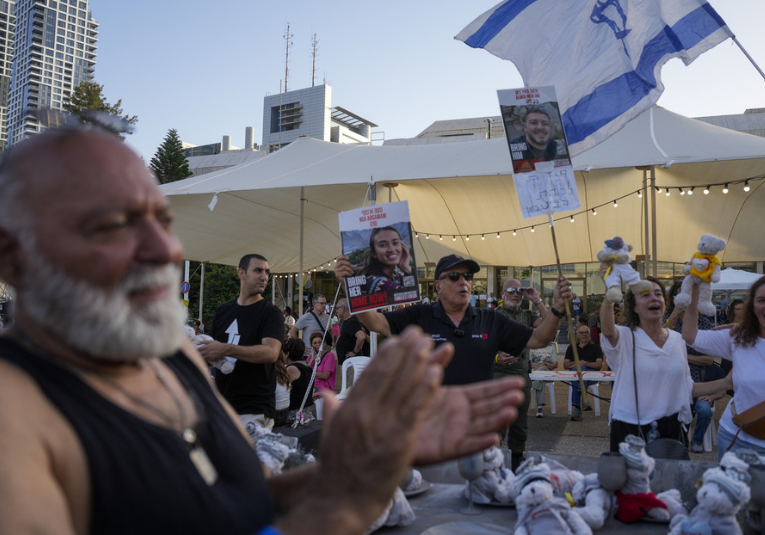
x=540 y=413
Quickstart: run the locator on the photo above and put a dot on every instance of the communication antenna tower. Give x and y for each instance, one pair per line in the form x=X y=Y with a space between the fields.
x=314 y=53
x=287 y=44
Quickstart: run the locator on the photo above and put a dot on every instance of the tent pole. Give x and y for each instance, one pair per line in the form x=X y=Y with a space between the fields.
x=655 y=271
x=201 y=291
x=372 y=195
x=300 y=272
x=645 y=220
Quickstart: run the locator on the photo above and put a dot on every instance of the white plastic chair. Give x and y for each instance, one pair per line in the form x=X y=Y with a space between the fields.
x=595 y=388
x=358 y=364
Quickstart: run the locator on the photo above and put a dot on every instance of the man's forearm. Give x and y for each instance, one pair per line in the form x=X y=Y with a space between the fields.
x=544 y=333
x=260 y=354
x=374 y=321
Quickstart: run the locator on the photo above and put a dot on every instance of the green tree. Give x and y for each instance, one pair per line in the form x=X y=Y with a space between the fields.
x=221 y=286
x=89 y=96
x=169 y=163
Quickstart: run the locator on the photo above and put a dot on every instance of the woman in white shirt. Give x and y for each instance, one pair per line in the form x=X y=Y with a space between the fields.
x=642 y=352
x=744 y=346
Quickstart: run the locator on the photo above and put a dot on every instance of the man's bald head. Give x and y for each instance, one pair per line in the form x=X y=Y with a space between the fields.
x=51 y=158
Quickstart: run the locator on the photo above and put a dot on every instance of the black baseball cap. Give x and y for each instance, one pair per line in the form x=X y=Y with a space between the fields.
x=453 y=260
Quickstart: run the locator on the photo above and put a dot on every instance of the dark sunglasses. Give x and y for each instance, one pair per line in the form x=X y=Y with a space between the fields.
x=454 y=276
x=511 y=291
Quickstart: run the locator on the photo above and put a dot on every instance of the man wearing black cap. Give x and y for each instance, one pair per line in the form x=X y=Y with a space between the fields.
x=477 y=333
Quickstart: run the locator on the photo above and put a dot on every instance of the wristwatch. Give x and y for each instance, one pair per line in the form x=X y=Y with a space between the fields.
x=556 y=313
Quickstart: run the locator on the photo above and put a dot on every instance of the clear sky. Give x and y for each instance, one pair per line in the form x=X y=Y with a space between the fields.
x=203 y=67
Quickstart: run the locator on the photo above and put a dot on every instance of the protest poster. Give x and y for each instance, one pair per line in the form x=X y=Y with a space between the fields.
x=378 y=241
x=542 y=170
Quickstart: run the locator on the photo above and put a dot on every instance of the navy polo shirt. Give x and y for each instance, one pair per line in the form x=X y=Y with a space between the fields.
x=477 y=339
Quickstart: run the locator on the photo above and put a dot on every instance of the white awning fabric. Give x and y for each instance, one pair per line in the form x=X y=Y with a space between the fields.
x=465 y=188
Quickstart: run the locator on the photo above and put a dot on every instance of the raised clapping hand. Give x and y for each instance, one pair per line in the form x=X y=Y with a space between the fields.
x=397 y=415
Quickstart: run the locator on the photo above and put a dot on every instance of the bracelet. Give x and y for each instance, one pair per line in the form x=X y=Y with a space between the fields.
x=496 y=358
x=538 y=301
x=557 y=314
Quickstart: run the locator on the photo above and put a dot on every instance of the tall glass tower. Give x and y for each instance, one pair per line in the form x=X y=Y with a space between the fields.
x=54 y=50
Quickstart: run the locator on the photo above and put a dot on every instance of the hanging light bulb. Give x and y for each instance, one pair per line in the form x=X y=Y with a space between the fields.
x=706 y=190
x=640 y=194
x=682 y=191
x=658 y=189
x=467 y=238
x=416 y=234
x=572 y=219
x=532 y=229
x=746 y=185
x=454 y=238
x=497 y=235
x=441 y=238
x=427 y=236
x=616 y=204
x=690 y=191
x=725 y=188
x=483 y=237
x=515 y=233
x=667 y=192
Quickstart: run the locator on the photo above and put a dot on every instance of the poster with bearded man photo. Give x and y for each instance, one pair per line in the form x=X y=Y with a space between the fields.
x=378 y=242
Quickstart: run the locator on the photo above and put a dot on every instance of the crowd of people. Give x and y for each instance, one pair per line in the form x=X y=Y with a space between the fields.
x=124 y=431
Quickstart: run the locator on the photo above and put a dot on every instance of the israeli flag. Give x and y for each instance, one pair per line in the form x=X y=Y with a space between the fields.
x=604 y=57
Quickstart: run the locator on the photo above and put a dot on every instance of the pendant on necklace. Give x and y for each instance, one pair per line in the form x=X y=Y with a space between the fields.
x=199 y=457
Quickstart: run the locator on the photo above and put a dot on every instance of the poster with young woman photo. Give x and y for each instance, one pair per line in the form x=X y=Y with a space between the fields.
x=378 y=242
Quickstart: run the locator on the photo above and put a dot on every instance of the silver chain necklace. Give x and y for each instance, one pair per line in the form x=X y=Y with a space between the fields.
x=197 y=454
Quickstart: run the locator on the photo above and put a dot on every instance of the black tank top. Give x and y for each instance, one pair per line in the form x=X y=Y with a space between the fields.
x=141 y=477
x=300 y=385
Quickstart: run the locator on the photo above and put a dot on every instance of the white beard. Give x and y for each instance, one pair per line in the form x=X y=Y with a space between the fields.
x=104 y=324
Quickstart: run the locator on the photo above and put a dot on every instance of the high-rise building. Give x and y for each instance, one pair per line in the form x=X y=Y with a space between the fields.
x=7 y=28
x=54 y=50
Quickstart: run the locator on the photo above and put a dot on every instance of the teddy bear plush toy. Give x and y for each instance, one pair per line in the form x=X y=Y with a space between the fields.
x=496 y=483
x=723 y=492
x=703 y=269
x=539 y=512
x=635 y=499
x=593 y=502
x=618 y=253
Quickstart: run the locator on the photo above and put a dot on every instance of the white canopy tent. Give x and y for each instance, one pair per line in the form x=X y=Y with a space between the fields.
x=458 y=192
x=735 y=279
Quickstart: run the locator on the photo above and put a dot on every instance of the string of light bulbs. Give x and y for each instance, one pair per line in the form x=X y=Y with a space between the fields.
x=667 y=190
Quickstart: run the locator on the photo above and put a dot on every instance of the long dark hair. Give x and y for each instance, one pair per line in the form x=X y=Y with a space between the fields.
x=746 y=333
x=630 y=318
x=670 y=300
x=369 y=263
x=731 y=309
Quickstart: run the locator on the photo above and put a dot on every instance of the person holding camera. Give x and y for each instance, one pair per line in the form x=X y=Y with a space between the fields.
x=518 y=365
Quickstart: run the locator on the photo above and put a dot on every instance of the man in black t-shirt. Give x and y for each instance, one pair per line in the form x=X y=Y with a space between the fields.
x=476 y=333
x=250 y=330
x=353 y=340
x=590 y=358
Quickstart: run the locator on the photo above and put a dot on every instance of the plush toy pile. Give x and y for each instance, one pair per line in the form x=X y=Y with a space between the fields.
x=723 y=492
x=539 y=511
x=496 y=483
x=635 y=499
